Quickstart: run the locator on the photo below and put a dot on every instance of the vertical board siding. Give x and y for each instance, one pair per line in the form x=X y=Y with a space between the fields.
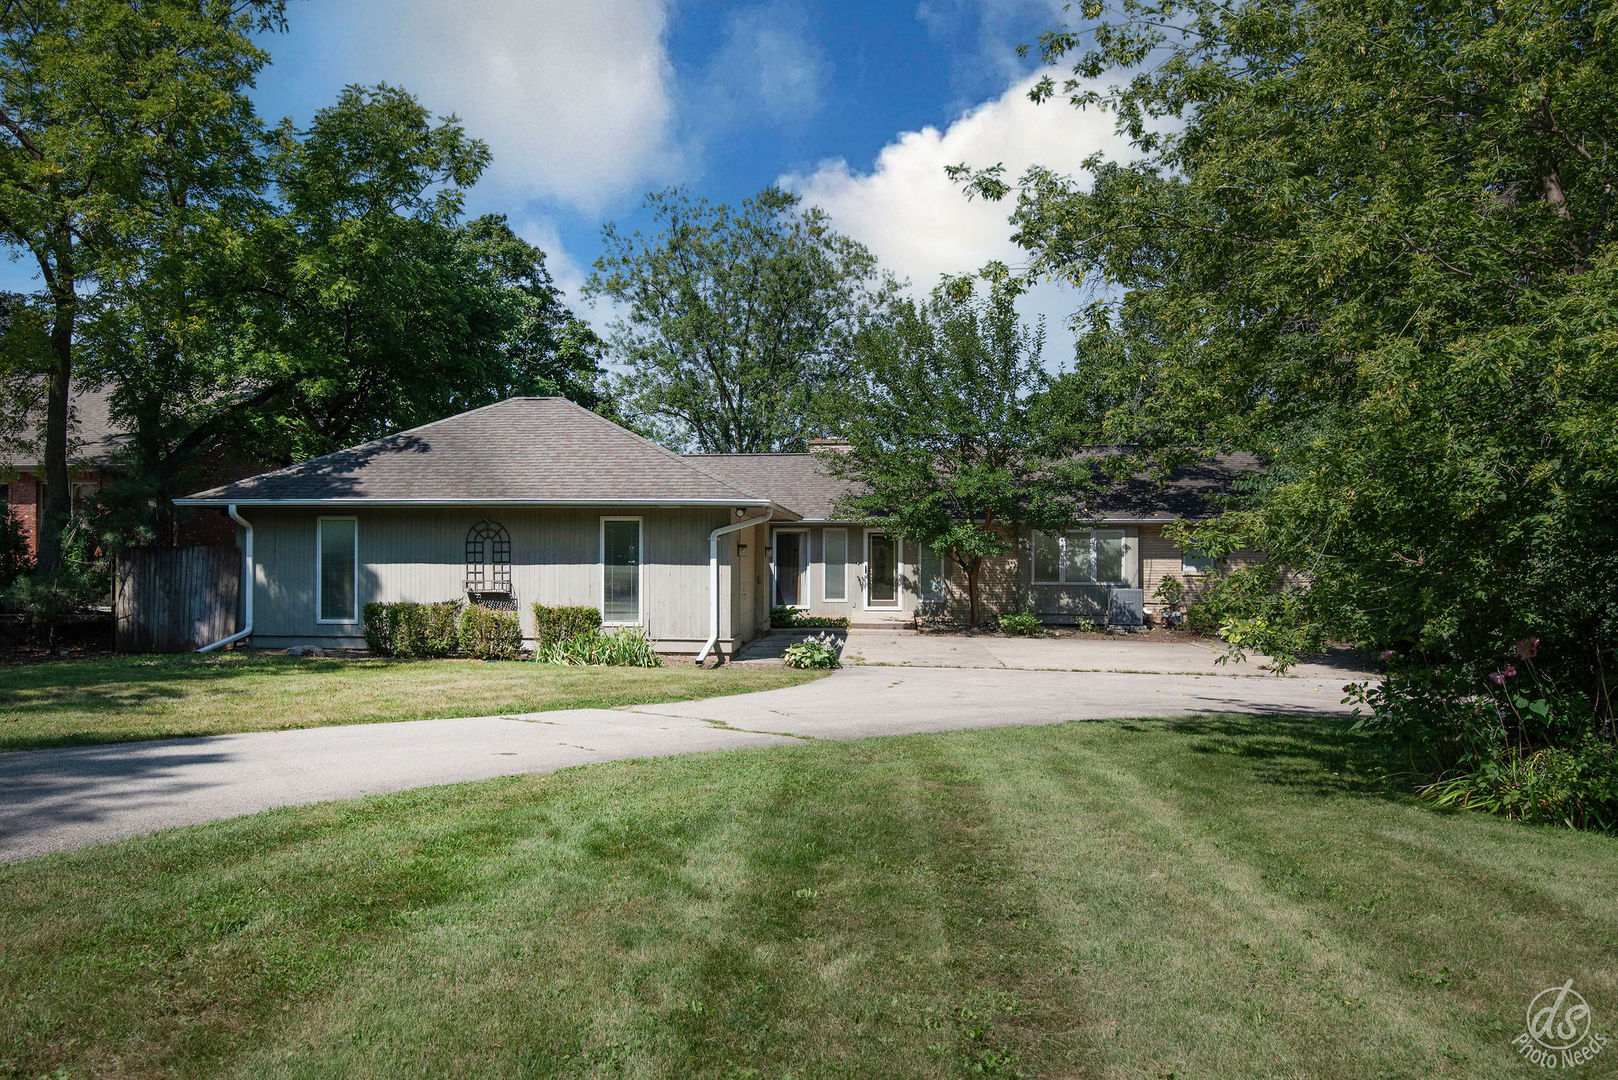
x=419 y=555
x=176 y=599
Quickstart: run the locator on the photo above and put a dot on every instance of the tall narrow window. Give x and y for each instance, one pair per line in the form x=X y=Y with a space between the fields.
x=620 y=570
x=336 y=564
x=930 y=571
x=834 y=552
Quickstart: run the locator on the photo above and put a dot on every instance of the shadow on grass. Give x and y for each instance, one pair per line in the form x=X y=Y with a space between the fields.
x=1314 y=755
x=130 y=682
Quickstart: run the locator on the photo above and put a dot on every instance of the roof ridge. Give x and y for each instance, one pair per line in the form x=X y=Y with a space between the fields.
x=660 y=448
x=384 y=438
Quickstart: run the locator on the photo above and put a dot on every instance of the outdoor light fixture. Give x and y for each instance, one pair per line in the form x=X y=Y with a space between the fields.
x=740 y=512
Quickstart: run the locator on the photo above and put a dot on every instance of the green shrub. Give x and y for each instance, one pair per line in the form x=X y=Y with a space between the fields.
x=816 y=652
x=490 y=635
x=374 y=618
x=790 y=618
x=14 y=560
x=1515 y=741
x=555 y=624
x=413 y=631
x=626 y=647
x=1022 y=624
x=82 y=579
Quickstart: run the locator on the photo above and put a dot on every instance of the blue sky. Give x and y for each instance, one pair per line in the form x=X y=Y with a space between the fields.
x=588 y=104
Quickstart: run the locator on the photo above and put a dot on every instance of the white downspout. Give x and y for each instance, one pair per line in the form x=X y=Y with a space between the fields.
x=247 y=582
x=713 y=576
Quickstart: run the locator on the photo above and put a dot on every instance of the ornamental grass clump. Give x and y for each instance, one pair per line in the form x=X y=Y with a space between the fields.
x=628 y=646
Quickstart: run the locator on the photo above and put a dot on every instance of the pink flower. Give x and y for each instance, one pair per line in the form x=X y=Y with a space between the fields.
x=1510 y=671
x=1528 y=648
x=1497 y=678
x=1387 y=654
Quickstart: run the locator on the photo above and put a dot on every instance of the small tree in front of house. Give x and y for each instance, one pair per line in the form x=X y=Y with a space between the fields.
x=948 y=443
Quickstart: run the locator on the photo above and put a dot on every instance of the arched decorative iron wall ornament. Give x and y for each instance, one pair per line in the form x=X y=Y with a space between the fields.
x=488 y=559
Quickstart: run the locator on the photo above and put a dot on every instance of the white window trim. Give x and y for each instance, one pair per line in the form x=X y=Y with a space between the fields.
x=640 y=570
x=825 y=569
x=898 y=572
x=1196 y=565
x=1095 y=552
x=775 y=567
x=319 y=576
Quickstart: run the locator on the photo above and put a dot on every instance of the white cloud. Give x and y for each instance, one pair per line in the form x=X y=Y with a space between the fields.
x=574 y=97
x=920 y=224
x=768 y=66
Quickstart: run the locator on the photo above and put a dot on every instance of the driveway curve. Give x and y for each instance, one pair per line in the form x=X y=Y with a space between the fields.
x=57 y=800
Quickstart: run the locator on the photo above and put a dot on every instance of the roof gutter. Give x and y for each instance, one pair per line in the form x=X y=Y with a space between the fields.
x=247 y=582
x=713 y=576
x=364 y=502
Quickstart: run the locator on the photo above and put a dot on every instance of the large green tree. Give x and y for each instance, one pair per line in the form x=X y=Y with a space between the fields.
x=106 y=106
x=733 y=320
x=951 y=440
x=346 y=300
x=1374 y=242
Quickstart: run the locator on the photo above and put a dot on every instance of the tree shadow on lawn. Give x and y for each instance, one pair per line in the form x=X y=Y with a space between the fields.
x=1311 y=754
x=101 y=685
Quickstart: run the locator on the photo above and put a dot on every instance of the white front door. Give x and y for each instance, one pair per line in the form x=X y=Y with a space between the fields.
x=884 y=555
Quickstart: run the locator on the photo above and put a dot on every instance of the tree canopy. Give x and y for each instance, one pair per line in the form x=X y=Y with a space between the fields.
x=107 y=109
x=951 y=441
x=733 y=320
x=1374 y=243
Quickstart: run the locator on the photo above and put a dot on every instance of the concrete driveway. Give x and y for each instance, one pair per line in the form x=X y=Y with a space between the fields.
x=1084 y=652
x=54 y=800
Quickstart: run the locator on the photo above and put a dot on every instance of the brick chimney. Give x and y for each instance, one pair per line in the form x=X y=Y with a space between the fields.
x=829 y=446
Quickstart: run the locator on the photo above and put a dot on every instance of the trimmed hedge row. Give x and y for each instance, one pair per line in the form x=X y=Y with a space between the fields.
x=432 y=631
x=413 y=631
x=491 y=635
x=790 y=618
x=557 y=624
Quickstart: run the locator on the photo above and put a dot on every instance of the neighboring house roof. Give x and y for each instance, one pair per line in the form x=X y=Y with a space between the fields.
x=531 y=450
x=798 y=482
x=93 y=438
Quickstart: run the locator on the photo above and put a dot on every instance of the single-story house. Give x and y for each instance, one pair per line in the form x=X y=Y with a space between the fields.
x=539 y=500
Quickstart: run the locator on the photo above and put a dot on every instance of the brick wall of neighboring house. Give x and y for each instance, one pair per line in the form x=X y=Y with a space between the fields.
x=22 y=501
x=25 y=499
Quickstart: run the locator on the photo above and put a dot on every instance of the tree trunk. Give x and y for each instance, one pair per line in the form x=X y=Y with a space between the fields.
x=972 y=591
x=58 y=492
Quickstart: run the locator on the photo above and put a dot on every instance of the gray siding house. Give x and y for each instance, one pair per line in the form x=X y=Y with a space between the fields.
x=539 y=500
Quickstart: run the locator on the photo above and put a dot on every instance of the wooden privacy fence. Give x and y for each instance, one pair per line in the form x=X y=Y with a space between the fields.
x=176 y=599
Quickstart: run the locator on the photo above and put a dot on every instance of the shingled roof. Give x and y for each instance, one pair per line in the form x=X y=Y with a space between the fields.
x=93 y=438
x=798 y=482
x=795 y=481
x=532 y=450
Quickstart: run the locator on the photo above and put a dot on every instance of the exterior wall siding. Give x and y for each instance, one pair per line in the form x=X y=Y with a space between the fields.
x=1005 y=584
x=419 y=555
x=854 y=607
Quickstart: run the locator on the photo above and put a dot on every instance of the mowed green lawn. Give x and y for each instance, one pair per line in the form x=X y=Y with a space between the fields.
x=1145 y=899
x=151 y=697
